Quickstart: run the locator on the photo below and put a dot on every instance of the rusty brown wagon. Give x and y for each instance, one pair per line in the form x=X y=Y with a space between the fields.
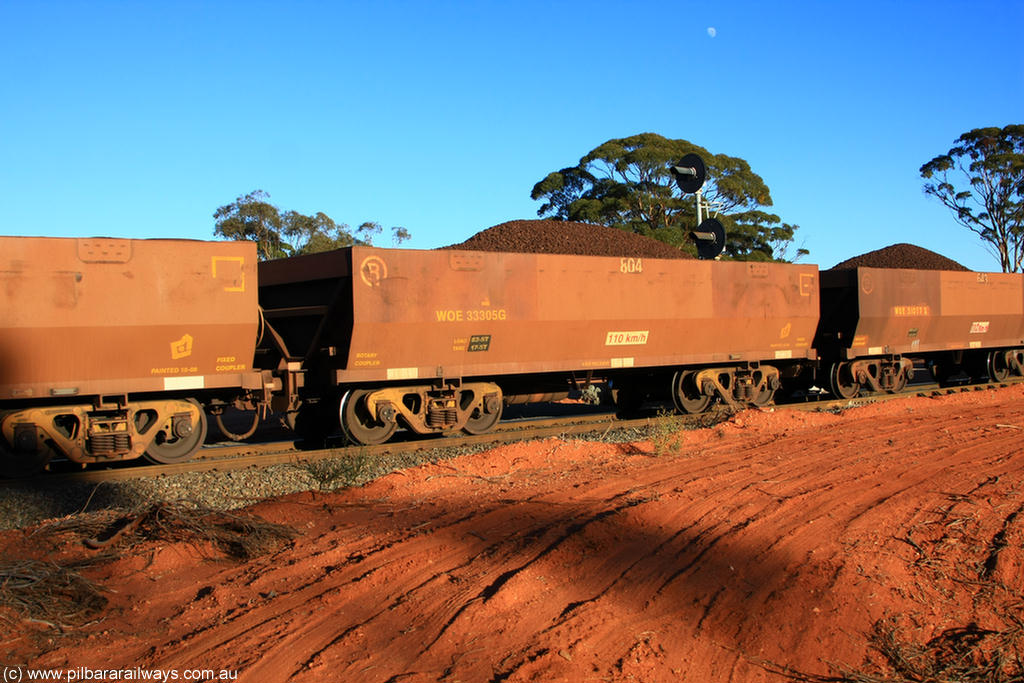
x=110 y=347
x=876 y=321
x=438 y=341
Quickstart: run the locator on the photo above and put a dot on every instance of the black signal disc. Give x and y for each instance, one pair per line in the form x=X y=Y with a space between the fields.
x=710 y=238
x=687 y=182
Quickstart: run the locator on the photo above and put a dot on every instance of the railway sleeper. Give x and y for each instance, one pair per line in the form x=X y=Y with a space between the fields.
x=372 y=416
x=162 y=431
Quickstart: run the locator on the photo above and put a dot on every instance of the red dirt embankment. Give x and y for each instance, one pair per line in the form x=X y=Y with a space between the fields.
x=777 y=539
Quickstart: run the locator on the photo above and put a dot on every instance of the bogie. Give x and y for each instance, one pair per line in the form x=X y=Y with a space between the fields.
x=371 y=416
x=162 y=431
x=695 y=390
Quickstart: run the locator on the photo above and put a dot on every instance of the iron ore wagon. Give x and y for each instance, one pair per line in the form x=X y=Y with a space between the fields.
x=437 y=341
x=110 y=347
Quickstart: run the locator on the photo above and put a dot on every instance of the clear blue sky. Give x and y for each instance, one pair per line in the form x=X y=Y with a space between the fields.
x=139 y=119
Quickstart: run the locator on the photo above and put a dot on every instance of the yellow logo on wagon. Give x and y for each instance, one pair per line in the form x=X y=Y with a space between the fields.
x=373 y=270
x=181 y=348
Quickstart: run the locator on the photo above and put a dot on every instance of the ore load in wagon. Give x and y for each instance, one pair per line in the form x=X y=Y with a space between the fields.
x=567 y=237
x=900 y=255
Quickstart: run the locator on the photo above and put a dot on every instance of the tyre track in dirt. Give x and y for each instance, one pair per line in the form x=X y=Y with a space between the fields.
x=709 y=536
x=768 y=537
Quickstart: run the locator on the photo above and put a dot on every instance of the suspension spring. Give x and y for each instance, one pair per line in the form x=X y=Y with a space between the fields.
x=110 y=444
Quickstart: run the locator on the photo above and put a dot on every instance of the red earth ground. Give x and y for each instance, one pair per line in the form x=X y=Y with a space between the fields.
x=776 y=539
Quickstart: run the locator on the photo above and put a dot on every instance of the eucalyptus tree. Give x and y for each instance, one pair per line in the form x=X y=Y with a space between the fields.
x=981 y=180
x=279 y=234
x=626 y=183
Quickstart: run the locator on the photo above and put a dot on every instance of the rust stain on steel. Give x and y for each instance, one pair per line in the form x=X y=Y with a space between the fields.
x=416 y=314
x=903 y=311
x=92 y=316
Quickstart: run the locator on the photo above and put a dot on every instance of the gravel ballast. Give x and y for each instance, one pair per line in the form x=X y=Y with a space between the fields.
x=27 y=503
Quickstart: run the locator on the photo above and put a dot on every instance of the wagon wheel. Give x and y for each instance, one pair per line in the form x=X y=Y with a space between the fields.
x=686 y=395
x=841 y=382
x=172 y=443
x=244 y=418
x=997 y=367
x=900 y=383
x=1016 y=357
x=358 y=424
x=481 y=422
x=763 y=397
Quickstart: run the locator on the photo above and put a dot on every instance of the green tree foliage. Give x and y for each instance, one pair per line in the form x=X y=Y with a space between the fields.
x=626 y=183
x=981 y=180
x=279 y=234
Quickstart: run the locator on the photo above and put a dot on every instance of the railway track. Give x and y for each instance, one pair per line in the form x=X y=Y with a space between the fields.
x=234 y=456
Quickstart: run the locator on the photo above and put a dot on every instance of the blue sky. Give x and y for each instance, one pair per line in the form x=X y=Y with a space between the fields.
x=139 y=119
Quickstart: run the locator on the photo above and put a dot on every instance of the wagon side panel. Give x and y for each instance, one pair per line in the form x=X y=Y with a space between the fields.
x=905 y=311
x=420 y=315
x=113 y=316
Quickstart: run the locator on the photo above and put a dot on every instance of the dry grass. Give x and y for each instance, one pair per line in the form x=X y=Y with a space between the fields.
x=48 y=593
x=335 y=473
x=237 y=536
x=240 y=537
x=954 y=559
x=967 y=654
x=56 y=595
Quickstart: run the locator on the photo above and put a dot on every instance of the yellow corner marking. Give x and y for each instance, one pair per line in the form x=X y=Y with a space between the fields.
x=806 y=284
x=235 y=273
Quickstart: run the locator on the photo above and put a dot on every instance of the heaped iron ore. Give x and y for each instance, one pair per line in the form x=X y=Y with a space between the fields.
x=900 y=255
x=567 y=237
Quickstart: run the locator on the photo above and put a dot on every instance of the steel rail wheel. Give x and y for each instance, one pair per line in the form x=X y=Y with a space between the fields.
x=358 y=424
x=686 y=395
x=1016 y=359
x=481 y=422
x=841 y=382
x=997 y=367
x=900 y=383
x=175 y=442
x=763 y=397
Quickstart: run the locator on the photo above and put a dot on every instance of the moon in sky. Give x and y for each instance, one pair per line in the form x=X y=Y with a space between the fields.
x=712 y=31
